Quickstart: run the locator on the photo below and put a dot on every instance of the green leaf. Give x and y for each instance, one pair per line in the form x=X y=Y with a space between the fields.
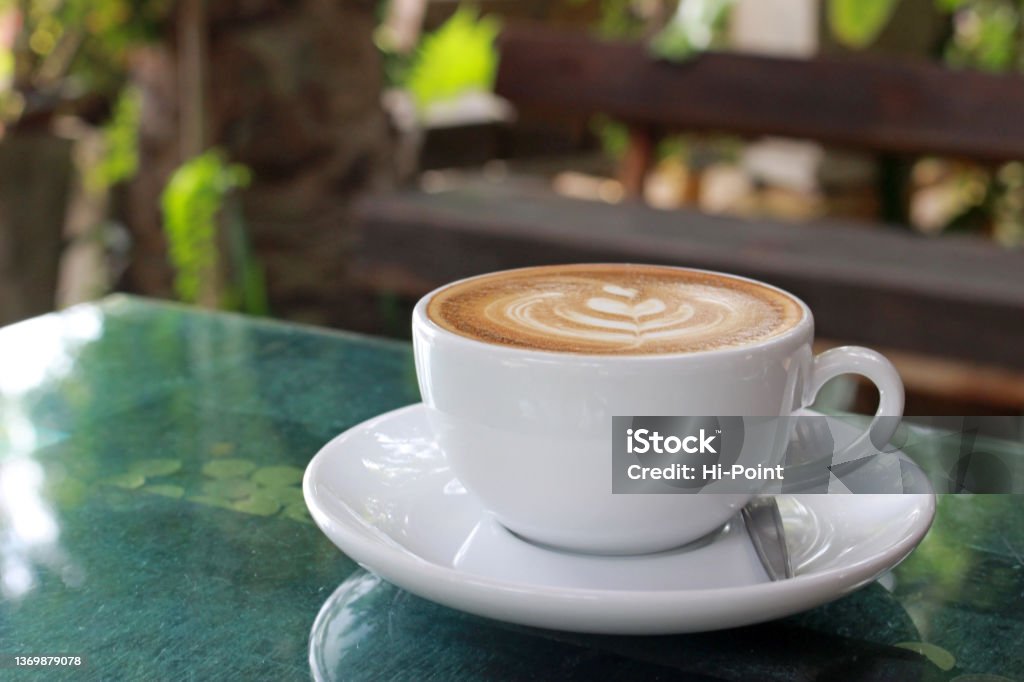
x=120 y=156
x=222 y=449
x=172 y=491
x=69 y=492
x=458 y=57
x=284 y=495
x=126 y=481
x=673 y=44
x=227 y=468
x=191 y=203
x=156 y=467
x=613 y=135
x=936 y=654
x=857 y=23
x=228 y=488
x=695 y=27
x=210 y=501
x=297 y=512
x=6 y=64
x=257 y=504
x=278 y=476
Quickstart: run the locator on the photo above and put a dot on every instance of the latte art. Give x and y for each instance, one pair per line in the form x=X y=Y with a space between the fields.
x=610 y=309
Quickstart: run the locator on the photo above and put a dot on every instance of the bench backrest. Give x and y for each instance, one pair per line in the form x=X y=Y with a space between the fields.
x=862 y=102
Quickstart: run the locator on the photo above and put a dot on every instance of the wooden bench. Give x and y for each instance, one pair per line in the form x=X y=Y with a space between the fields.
x=955 y=297
x=952 y=296
x=864 y=103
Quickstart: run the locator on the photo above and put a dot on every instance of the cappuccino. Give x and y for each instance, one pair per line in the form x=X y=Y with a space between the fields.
x=614 y=309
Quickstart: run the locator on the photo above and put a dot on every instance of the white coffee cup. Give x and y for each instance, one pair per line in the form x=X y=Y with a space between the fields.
x=529 y=431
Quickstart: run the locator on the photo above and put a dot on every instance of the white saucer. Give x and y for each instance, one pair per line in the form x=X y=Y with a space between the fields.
x=383 y=493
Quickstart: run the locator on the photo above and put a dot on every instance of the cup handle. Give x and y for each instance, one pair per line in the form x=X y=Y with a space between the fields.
x=878 y=370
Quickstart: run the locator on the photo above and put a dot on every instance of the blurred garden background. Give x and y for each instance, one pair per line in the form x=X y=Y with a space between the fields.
x=222 y=153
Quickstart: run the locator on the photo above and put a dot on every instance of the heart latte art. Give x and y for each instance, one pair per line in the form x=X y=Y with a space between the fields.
x=614 y=309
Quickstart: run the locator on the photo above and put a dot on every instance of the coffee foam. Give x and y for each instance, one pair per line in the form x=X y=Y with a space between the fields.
x=613 y=309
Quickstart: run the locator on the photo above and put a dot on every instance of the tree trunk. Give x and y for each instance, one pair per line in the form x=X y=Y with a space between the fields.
x=35 y=174
x=292 y=91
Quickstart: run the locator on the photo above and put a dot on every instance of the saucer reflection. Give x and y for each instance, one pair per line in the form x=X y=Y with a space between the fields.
x=368 y=629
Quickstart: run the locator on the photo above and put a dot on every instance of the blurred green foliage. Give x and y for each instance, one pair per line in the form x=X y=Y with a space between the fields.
x=987 y=34
x=619 y=18
x=698 y=25
x=120 y=157
x=458 y=57
x=857 y=23
x=81 y=45
x=695 y=26
x=984 y=34
x=6 y=66
x=192 y=204
x=71 y=50
x=612 y=135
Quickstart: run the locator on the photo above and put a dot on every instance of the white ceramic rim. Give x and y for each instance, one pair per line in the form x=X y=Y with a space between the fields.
x=368 y=548
x=804 y=326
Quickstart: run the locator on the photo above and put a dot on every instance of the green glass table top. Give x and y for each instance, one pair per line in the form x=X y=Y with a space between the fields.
x=151 y=520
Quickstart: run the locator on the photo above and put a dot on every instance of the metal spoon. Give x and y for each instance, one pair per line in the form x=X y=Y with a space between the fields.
x=764 y=525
